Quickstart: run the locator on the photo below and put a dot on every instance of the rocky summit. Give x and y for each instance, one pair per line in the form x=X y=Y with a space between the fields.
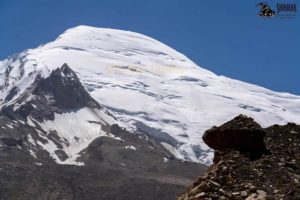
x=274 y=172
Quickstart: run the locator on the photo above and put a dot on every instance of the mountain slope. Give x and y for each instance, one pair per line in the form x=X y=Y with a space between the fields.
x=147 y=86
x=57 y=142
x=56 y=114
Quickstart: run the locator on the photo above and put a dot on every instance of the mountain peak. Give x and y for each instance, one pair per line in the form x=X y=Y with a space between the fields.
x=122 y=48
x=65 y=87
x=148 y=86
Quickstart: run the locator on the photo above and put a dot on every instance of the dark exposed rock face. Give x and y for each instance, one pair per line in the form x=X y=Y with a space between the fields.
x=64 y=86
x=234 y=176
x=12 y=93
x=242 y=134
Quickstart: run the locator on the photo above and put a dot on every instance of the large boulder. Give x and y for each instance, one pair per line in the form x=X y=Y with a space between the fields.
x=242 y=134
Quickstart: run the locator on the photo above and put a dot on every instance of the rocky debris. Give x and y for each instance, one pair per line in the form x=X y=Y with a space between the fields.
x=234 y=175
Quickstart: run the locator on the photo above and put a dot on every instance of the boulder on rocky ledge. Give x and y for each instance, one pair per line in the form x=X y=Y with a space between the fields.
x=233 y=176
x=242 y=134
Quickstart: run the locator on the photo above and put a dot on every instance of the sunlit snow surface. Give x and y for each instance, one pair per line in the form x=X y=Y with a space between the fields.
x=149 y=87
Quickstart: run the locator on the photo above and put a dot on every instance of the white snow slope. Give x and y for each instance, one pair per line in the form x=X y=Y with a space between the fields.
x=148 y=86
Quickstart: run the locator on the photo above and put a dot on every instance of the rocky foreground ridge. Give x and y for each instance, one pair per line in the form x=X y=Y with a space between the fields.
x=250 y=163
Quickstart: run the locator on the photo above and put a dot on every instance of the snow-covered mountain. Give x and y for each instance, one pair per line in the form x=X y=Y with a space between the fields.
x=143 y=85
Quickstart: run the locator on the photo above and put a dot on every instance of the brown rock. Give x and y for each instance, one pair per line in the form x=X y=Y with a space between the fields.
x=242 y=134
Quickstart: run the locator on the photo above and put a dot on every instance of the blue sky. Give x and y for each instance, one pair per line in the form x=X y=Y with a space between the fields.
x=226 y=37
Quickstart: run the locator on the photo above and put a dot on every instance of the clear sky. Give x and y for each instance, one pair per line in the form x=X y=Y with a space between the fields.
x=226 y=37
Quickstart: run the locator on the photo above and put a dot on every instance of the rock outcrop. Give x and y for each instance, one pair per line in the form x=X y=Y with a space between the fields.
x=235 y=175
x=242 y=134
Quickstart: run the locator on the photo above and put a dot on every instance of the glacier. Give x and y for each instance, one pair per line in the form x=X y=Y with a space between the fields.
x=147 y=86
